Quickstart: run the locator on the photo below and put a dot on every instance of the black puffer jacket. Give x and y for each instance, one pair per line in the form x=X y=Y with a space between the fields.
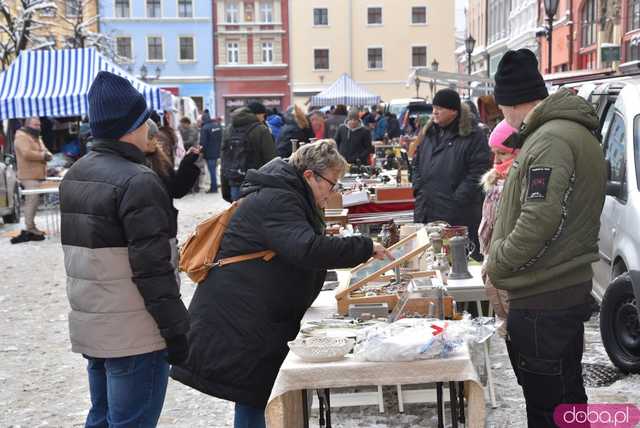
x=447 y=169
x=116 y=225
x=291 y=131
x=354 y=144
x=243 y=314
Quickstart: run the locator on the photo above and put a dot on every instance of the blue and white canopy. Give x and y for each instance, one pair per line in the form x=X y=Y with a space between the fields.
x=344 y=91
x=56 y=83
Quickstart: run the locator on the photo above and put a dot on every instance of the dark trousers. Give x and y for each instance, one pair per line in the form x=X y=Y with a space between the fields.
x=545 y=349
x=212 y=165
x=127 y=391
x=248 y=417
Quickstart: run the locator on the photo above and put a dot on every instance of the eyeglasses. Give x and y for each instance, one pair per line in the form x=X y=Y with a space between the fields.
x=335 y=187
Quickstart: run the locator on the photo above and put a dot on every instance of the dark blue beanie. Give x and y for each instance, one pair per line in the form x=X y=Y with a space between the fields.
x=116 y=108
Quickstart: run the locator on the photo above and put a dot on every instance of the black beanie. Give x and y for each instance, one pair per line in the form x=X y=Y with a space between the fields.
x=518 y=80
x=447 y=98
x=257 y=108
x=116 y=108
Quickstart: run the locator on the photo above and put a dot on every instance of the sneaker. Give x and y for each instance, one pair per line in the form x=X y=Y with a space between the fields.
x=23 y=237
x=35 y=236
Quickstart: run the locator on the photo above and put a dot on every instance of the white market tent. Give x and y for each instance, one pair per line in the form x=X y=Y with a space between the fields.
x=55 y=83
x=344 y=91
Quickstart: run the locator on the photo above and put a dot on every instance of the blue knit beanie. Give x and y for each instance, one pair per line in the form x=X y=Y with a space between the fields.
x=116 y=108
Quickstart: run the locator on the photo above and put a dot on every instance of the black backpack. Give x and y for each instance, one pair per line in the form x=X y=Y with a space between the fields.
x=236 y=154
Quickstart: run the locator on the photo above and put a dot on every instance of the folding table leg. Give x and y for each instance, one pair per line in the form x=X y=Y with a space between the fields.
x=461 y=402
x=487 y=363
x=321 y=420
x=327 y=396
x=400 y=399
x=453 y=399
x=439 y=404
x=305 y=408
x=380 y=399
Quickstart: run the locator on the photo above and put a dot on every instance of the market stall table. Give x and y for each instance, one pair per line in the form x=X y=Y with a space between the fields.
x=284 y=409
x=50 y=208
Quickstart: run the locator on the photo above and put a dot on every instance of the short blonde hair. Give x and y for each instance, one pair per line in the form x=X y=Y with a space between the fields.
x=319 y=156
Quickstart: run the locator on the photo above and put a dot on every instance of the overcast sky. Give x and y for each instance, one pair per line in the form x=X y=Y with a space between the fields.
x=460 y=20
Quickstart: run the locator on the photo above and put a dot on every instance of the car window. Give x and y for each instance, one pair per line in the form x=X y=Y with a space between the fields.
x=636 y=147
x=615 y=149
x=610 y=112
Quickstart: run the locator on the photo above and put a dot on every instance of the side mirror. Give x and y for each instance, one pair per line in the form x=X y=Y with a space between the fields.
x=615 y=189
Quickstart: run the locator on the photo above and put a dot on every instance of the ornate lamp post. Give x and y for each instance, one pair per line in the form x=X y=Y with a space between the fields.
x=417 y=82
x=434 y=67
x=550 y=9
x=469 y=46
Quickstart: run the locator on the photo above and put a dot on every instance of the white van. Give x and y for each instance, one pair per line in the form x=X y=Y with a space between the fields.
x=617 y=273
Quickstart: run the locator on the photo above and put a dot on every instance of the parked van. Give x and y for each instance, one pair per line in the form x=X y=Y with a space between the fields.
x=617 y=273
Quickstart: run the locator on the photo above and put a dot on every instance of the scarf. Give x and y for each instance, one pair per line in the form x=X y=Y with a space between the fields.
x=35 y=133
x=503 y=168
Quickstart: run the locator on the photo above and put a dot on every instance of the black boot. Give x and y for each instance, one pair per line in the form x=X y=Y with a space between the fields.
x=23 y=237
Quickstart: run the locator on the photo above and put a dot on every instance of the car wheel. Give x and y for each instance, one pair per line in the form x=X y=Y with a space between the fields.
x=14 y=217
x=620 y=325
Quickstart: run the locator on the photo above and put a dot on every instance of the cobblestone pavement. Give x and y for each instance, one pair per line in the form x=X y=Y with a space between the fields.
x=43 y=384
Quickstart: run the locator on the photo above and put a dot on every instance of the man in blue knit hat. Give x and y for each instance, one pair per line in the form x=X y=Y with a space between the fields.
x=126 y=316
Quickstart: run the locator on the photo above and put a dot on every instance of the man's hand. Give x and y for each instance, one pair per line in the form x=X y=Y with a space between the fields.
x=380 y=252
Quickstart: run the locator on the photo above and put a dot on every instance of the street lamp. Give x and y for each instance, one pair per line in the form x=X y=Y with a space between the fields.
x=144 y=73
x=469 y=46
x=550 y=8
x=417 y=82
x=434 y=65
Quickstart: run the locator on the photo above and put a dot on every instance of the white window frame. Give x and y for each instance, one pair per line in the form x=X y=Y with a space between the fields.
x=65 y=3
x=115 y=9
x=426 y=15
x=128 y=60
x=226 y=12
x=146 y=11
x=237 y=52
x=147 y=48
x=328 y=49
x=193 y=9
x=366 y=18
x=263 y=44
x=264 y=3
x=313 y=17
x=367 y=53
x=426 y=64
x=193 y=38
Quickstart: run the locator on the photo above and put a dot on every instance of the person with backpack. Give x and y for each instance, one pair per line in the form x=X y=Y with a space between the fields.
x=247 y=144
x=243 y=314
x=210 y=140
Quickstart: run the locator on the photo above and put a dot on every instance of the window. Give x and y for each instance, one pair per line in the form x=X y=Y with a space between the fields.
x=321 y=59
x=49 y=12
x=636 y=147
x=72 y=8
x=589 y=27
x=374 y=16
x=633 y=51
x=154 y=9
x=633 y=15
x=418 y=56
x=419 y=15
x=187 y=51
x=123 y=47
x=614 y=149
x=267 y=52
x=154 y=49
x=266 y=11
x=199 y=100
x=320 y=16
x=374 y=58
x=123 y=9
x=185 y=8
x=231 y=13
x=233 y=53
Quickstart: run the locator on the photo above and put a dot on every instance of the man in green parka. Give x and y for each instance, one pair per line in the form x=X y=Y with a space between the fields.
x=546 y=234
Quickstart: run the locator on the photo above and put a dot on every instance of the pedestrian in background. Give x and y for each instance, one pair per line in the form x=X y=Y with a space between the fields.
x=31 y=157
x=335 y=119
x=451 y=157
x=546 y=234
x=493 y=183
x=126 y=316
x=191 y=139
x=210 y=140
x=243 y=314
x=275 y=124
x=354 y=140
x=318 y=125
x=296 y=127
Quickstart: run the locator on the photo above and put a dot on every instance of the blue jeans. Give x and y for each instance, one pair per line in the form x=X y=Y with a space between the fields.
x=235 y=193
x=127 y=391
x=248 y=417
x=211 y=165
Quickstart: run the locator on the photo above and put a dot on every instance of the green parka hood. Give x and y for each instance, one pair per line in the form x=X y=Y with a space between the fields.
x=243 y=117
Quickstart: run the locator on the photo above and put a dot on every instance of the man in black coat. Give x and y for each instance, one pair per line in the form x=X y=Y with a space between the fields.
x=117 y=220
x=243 y=314
x=450 y=160
x=354 y=140
x=210 y=140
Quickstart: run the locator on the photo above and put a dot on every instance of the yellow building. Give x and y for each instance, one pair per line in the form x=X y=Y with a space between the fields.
x=377 y=42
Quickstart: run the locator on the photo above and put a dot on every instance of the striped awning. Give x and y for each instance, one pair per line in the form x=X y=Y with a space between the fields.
x=344 y=91
x=56 y=83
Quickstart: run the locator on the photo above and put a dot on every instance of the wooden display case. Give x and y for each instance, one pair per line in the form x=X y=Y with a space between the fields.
x=352 y=288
